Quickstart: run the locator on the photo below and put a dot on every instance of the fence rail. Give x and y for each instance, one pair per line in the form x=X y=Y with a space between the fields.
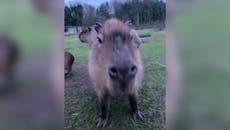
x=71 y=30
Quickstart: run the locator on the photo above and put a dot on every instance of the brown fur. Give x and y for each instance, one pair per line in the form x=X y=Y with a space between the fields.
x=69 y=59
x=100 y=54
x=114 y=45
x=8 y=54
x=90 y=35
x=8 y=59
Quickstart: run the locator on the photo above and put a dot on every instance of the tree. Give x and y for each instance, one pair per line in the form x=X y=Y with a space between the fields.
x=73 y=15
x=117 y=6
x=68 y=16
x=140 y=11
x=77 y=15
x=103 y=12
x=89 y=15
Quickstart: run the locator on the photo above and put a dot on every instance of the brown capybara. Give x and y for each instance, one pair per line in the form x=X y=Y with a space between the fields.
x=91 y=35
x=69 y=59
x=114 y=64
x=8 y=58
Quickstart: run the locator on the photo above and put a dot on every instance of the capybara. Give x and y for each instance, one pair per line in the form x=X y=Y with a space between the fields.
x=114 y=64
x=69 y=59
x=8 y=58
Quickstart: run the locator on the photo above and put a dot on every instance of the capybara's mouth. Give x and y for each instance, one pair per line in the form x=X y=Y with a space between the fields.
x=122 y=88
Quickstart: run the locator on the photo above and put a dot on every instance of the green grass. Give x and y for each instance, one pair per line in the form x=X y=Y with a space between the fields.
x=202 y=41
x=33 y=32
x=81 y=105
x=78 y=49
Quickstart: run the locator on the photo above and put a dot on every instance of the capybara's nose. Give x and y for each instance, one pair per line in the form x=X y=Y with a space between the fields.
x=132 y=70
x=122 y=72
x=113 y=72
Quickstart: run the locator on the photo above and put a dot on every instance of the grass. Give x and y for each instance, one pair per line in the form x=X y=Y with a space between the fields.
x=202 y=54
x=33 y=32
x=81 y=104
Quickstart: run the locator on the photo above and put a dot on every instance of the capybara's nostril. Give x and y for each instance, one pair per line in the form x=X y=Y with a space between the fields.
x=113 y=72
x=133 y=70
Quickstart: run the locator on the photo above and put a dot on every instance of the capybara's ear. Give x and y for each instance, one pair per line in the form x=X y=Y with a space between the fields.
x=128 y=22
x=135 y=38
x=100 y=38
x=98 y=26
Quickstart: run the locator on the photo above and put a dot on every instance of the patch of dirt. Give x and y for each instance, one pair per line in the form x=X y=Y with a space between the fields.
x=79 y=78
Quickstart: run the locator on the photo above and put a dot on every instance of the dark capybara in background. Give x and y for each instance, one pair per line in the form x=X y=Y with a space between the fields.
x=8 y=59
x=69 y=59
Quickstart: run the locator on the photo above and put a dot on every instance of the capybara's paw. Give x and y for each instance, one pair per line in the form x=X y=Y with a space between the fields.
x=101 y=122
x=137 y=115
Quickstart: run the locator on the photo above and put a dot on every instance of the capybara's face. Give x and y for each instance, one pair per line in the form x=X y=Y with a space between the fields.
x=88 y=35
x=83 y=36
x=114 y=56
x=122 y=67
x=122 y=52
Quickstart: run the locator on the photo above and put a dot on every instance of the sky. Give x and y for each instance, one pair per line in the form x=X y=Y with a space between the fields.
x=92 y=2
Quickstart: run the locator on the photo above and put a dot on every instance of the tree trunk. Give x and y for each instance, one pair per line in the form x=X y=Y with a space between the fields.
x=138 y=22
